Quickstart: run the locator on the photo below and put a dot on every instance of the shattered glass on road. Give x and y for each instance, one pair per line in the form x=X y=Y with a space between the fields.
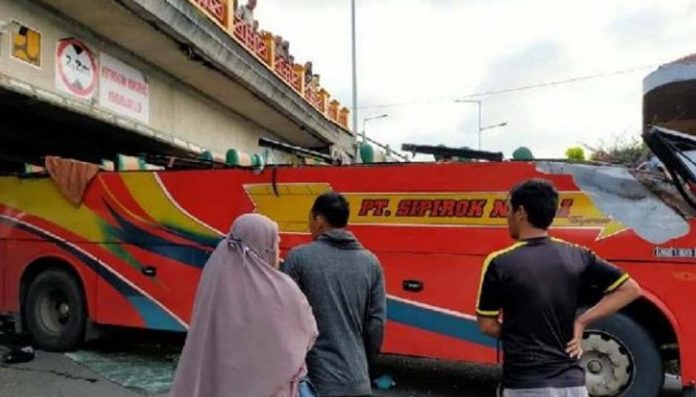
x=152 y=374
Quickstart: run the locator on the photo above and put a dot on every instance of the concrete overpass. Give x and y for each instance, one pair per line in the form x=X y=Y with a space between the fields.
x=88 y=78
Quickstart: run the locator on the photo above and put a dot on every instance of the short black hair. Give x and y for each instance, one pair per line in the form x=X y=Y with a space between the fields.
x=333 y=207
x=539 y=199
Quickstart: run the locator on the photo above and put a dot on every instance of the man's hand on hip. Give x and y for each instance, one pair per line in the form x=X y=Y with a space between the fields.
x=610 y=304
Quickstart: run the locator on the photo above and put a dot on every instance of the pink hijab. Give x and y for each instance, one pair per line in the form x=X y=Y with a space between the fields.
x=251 y=326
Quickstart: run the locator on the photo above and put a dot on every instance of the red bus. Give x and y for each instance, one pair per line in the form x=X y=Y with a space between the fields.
x=130 y=254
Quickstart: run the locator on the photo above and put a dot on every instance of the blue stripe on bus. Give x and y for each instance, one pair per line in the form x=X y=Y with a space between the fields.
x=438 y=322
x=153 y=315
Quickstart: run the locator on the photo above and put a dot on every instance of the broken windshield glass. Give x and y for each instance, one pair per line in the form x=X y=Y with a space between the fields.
x=622 y=197
x=676 y=151
x=689 y=159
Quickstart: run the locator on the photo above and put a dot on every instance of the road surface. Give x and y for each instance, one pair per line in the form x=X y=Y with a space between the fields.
x=103 y=369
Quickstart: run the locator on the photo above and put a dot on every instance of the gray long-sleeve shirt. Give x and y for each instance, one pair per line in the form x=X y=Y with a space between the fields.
x=344 y=284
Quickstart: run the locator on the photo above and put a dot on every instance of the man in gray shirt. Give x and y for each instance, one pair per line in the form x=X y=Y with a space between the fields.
x=344 y=284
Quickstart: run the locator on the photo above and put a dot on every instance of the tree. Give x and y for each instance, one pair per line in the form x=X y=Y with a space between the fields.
x=575 y=153
x=628 y=152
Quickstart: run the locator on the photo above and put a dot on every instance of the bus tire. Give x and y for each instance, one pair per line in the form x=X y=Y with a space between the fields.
x=55 y=311
x=621 y=359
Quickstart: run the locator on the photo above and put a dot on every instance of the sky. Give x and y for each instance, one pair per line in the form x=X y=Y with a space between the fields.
x=416 y=57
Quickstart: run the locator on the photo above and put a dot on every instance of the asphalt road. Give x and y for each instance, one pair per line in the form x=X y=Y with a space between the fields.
x=54 y=375
x=57 y=375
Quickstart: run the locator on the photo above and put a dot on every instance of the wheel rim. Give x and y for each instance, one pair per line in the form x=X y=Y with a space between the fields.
x=54 y=311
x=608 y=364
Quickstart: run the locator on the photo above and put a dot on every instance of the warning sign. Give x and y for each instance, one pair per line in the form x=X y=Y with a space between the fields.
x=26 y=45
x=124 y=89
x=76 y=69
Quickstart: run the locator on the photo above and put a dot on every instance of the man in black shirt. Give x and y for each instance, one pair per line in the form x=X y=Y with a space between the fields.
x=529 y=298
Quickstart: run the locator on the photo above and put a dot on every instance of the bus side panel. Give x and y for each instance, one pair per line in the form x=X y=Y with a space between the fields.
x=161 y=301
x=687 y=348
x=431 y=300
x=21 y=249
x=671 y=287
x=21 y=254
x=115 y=307
x=178 y=270
x=437 y=322
x=409 y=341
x=3 y=265
x=12 y=275
x=685 y=339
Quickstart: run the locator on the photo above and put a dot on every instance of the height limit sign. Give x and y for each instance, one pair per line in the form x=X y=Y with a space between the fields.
x=76 y=69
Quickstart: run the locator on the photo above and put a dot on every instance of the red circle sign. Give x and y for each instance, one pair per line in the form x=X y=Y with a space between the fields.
x=77 y=68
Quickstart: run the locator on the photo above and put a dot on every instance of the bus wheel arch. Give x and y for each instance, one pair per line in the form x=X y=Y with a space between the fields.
x=656 y=318
x=643 y=337
x=53 y=304
x=621 y=359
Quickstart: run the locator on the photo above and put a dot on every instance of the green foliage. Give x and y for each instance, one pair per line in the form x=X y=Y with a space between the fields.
x=629 y=152
x=575 y=153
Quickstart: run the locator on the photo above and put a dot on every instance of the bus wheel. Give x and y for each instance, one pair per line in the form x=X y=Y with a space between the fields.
x=55 y=311
x=621 y=359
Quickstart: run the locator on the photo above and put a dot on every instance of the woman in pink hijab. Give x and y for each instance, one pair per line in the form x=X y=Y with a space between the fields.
x=251 y=326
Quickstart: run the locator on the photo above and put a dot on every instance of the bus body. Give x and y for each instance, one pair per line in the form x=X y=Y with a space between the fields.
x=134 y=249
